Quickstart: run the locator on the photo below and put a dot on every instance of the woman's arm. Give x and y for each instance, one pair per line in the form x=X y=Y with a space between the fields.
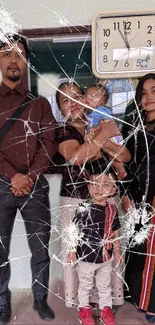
x=79 y=154
x=119 y=153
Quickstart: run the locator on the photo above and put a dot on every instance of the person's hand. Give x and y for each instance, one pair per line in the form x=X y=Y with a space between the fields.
x=71 y=257
x=91 y=133
x=109 y=128
x=21 y=184
x=127 y=204
x=22 y=192
x=17 y=193
x=119 y=258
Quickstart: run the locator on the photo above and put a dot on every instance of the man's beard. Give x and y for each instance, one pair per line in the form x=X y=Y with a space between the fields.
x=14 y=78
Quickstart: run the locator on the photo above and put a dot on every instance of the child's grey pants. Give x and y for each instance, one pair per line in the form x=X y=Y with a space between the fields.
x=102 y=273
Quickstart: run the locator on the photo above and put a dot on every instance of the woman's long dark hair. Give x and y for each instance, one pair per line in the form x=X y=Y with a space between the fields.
x=140 y=85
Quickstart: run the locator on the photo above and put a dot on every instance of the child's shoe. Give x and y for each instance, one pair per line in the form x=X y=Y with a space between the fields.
x=86 y=316
x=107 y=316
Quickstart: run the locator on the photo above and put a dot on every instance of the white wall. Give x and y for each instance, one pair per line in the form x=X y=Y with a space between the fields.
x=55 y=13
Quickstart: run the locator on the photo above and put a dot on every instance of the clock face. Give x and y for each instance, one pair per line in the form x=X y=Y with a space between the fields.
x=123 y=45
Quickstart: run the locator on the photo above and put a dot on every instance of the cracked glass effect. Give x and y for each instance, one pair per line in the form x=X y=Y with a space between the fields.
x=46 y=80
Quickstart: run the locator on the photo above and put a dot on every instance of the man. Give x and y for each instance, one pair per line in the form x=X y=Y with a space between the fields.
x=25 y=154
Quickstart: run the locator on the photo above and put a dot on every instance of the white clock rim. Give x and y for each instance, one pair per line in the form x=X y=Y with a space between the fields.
x=112 y=74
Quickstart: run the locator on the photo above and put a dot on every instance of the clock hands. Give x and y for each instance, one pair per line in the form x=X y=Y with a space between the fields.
x=125 y=39
x=126 y=36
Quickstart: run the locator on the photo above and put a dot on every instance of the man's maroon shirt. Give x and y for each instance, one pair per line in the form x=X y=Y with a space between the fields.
x=30 y=144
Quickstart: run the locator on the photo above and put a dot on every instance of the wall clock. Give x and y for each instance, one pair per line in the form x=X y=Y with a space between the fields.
x=123 y=44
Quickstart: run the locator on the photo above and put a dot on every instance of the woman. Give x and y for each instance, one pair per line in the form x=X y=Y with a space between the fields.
x=140 y=270
x=74 y=155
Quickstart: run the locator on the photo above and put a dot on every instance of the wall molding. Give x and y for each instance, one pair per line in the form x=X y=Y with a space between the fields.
x=50 y=32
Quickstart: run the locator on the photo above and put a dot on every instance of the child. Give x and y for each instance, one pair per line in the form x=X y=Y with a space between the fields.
x=96 y=97
x=98 y=225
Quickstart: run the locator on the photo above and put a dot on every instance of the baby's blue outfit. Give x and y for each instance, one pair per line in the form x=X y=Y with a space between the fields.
x=102 y=113
x=94 y=117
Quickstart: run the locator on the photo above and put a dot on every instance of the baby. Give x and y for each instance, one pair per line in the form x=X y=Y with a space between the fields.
x=98 y=226
x=96 y=97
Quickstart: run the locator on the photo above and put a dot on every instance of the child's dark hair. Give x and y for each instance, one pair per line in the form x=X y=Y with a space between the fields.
x=64 y=84
x=16 y=38
x=109 y=172
x=97 y=166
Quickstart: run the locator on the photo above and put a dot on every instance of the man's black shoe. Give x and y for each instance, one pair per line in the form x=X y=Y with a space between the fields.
x=5 y=313
x=44 y=311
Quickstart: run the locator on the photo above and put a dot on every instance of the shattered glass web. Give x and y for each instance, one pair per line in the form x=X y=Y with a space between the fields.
x=70 y=234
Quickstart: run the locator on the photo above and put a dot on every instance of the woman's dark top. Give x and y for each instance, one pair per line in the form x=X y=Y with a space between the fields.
x=141 y=168
x=74 y=178
x=141 y=171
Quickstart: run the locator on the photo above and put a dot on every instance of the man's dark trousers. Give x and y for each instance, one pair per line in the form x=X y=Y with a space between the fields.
x=35 y=211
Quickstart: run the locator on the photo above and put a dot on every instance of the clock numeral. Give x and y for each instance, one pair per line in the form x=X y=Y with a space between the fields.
x=116 y=26
x=149 y=29
x=105 y=44
x=126 y=64
x=127 y=25
x=116 y=62
x=138 y=22
x=147 y=57
x=106 y=32
x=105 y=58
x=138 y=64
x=148 y=42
